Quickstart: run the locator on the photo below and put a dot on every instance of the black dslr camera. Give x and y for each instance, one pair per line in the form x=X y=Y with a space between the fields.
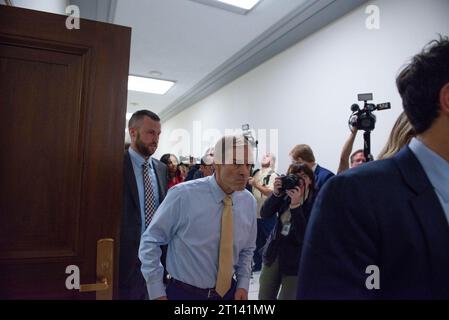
x=364 y=119
x=290 y=181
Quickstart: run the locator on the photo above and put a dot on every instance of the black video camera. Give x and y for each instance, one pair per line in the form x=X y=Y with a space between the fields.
x=291 y=181
x=364 y=119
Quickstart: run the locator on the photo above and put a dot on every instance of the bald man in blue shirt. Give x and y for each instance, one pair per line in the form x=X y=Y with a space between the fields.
x=189 y=221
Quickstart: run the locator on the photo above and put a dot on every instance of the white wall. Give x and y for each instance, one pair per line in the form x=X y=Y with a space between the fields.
x=306 y=91
x=53 y=6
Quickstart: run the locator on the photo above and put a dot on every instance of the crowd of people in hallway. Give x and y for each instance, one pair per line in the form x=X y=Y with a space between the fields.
x=198 y=231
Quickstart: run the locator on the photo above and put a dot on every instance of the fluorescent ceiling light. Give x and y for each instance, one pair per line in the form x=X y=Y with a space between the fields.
x=244 y=4
x=149 y=85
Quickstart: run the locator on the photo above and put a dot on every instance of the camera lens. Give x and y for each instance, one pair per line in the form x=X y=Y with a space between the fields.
x=289 y=182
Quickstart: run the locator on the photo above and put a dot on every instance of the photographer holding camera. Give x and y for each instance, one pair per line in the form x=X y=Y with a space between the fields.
x=292 y=200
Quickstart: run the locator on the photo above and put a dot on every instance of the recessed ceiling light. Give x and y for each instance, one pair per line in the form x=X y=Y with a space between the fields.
x=149 y=85
x=236 y=6
x=244 y=4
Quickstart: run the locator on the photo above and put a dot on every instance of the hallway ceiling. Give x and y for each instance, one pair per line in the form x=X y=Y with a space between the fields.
x=201 y=47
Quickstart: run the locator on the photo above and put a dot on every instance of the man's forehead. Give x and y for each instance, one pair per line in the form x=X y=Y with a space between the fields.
x=242 y=154
x=239 y=155
x=233 y=149
x=150 y=122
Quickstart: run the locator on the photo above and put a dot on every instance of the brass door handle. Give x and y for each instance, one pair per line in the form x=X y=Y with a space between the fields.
x=105 y=268
x=99 y=286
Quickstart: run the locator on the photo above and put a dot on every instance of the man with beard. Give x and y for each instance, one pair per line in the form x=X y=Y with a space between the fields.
x=145 y=185
x=210 y=227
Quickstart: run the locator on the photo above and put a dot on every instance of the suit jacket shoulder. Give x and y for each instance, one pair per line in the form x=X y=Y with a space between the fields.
x=162 y=177
x=321 y=176
x=129 y=183
x=385 y=214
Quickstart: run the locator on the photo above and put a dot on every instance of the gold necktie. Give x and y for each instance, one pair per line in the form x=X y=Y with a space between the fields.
x=225 y=262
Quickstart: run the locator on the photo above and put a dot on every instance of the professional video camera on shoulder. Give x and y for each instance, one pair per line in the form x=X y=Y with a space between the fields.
x=364 y=119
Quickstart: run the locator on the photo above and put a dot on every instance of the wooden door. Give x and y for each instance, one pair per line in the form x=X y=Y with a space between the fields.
x=62 y=111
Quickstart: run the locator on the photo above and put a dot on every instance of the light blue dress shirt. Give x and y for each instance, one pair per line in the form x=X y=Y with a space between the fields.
x=189 y=221
x=436 y=169
x=137 y=160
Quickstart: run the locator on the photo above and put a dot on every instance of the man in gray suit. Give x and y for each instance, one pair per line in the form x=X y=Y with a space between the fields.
x=144 y=188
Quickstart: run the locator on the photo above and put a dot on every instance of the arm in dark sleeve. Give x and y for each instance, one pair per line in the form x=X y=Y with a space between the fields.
x=271 y=206
x=300 y=217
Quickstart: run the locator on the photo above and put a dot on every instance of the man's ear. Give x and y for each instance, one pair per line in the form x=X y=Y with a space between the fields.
x=132 y=132
x=444 y=99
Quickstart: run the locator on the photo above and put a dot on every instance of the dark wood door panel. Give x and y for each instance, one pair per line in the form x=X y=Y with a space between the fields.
x=62 y=105
x=42 y=94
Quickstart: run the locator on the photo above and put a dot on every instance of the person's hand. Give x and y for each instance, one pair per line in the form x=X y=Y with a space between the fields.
x=295 y=195
x=241 y=294
x=162 y=298
x=277 y=185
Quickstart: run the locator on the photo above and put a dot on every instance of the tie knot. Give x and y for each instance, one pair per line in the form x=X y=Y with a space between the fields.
x=146 y=164
x=227 y=201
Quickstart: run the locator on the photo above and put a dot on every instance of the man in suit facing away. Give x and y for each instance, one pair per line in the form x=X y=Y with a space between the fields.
x=145 y=186
x=302 y=153
x=381 y=231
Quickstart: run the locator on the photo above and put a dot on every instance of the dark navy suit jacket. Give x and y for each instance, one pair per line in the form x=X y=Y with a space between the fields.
x=385 y=213
x=321 y=176
x=131 y=282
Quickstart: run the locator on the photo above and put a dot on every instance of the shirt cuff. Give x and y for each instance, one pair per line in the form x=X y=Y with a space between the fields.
x=156 y=290
x=243 y=283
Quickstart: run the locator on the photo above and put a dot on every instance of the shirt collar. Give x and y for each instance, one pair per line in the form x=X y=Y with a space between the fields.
x=137 y=158
x=435 y=167
x=217 y=192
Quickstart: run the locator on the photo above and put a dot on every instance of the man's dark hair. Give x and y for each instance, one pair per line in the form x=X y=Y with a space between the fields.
x=165 y=158
x=354 y=153
x=302 y=151
x=139 y=115
x=421 y=81
x=303 y=168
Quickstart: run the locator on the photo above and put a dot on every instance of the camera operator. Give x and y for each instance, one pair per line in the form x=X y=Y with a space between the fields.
x=292 y=200
x=357 y=158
